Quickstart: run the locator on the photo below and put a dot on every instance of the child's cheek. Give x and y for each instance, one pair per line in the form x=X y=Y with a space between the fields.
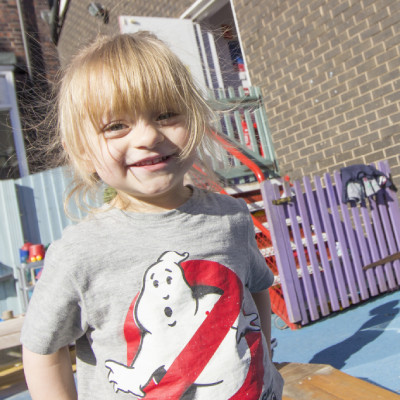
x=112 y=150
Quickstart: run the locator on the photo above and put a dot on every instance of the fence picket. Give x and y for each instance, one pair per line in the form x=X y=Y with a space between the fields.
x=295 y=228
x=283 y=252
x=386 y=237
x=375 y=255
x=328 y=277
x=312 y=254
x=341 y=240
x=353 y=247
x=394 y=217
x=327 y=221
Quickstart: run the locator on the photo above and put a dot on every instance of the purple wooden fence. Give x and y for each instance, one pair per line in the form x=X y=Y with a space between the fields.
x=322 y=244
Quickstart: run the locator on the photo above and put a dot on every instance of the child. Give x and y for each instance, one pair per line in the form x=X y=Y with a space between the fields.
x=163 y=290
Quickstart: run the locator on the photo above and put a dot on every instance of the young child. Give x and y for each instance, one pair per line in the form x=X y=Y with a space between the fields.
x=163 y=290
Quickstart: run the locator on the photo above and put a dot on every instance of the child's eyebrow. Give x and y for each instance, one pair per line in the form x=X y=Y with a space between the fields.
x=168 y=270
x=152 y=275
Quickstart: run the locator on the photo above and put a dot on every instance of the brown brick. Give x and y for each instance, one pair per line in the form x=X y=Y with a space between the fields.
x=319 y=128
x=373 y=105
x=388 y=110
x=332 y=151
x=380 y=15
x=369 y=86
x=354 y=113
x=309 y=122
x=340 y=9
x=362 y=100
x=370 y=32
x=382 y=91
x=390 y=130
x=333 y=102
x=389 y=77
x=353 y=62
x=301 y=162
x=349 y=95
x=306 y=151
x=376 y=72
x=392 y=151
x=382 y=144
x=393 y=97
x=343 y=156
x=316 y=109
x=326 y=115
x=350 y=145
x=388 y=22
x=326 y=162
x=342 y=137
x=366 y=66
x=367 y=118
x=374 y=157
x=385 y=36
x=337 y=120
x=362 y=150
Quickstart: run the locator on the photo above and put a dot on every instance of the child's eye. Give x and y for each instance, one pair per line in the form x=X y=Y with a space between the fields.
x=114 y=129
x=117 y=126
x=166 y=117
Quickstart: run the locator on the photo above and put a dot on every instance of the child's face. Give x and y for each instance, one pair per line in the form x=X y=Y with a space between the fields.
x=141 y=157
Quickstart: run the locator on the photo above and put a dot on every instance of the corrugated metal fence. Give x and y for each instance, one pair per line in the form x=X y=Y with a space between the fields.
x=31 y=210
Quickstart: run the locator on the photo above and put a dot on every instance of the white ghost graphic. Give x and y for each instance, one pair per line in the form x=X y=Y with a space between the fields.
x=169 y=312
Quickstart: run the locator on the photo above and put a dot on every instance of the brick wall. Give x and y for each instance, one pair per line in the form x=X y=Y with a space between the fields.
x=81 y=28
x=42 y=52
x=330 y=74
x=10 y=32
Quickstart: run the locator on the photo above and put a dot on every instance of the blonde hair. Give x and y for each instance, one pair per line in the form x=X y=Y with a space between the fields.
x=117 y=74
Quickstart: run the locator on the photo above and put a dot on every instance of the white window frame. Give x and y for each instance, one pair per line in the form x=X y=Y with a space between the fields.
x=10 y=105
x=199 y=9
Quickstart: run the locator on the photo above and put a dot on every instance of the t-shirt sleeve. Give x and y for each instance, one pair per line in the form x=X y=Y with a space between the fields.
x=260 y=277
x=55 y=315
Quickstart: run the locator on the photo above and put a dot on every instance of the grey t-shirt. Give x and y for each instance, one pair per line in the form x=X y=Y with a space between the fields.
x=159 y=304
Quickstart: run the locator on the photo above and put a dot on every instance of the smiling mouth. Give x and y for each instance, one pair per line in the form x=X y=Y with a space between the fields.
x=151 y=161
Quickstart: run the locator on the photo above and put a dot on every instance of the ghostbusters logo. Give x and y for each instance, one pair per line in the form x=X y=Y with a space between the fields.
x=184 y=327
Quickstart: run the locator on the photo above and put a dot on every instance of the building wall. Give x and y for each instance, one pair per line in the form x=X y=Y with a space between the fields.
x=10 y=32
x=33 y=69
x=81 y=28
x=330 y=74
x=42 y=51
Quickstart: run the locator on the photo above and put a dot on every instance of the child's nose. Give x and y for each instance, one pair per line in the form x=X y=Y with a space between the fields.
x=147 y=135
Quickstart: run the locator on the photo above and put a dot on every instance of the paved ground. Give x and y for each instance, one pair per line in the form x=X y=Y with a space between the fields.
x=363 y=341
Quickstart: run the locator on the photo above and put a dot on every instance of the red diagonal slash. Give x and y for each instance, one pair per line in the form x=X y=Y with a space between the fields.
x=195 y=356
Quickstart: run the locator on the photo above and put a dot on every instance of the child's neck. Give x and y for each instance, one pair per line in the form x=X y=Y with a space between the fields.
x=154 y=204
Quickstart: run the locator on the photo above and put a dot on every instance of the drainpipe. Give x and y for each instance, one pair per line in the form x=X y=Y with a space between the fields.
x=55 y=10
x=24 y=40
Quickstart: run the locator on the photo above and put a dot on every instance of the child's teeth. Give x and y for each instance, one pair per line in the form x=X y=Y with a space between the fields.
x=151 y=162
